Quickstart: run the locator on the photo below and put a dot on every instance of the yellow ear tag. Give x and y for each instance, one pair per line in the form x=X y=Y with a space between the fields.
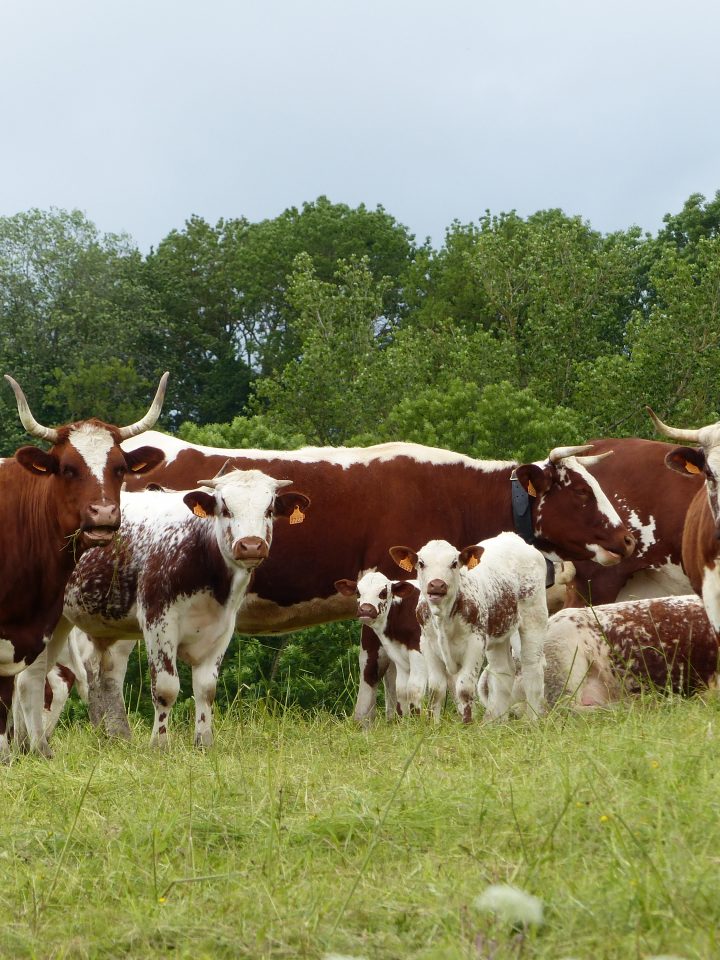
x=138 y=466
x=472 y=562
x=531 y=489
x=199 y=511
x=297 y=516
x=406 y=565
x=691 y=468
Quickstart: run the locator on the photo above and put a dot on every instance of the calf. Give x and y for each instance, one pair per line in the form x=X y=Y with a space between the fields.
x=178 y=580
x=472 y=601
x=378 y=603
x=701 y=533
x=599 y=654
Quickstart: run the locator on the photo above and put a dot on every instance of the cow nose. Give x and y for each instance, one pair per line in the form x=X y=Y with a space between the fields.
x=437 y=588
x=630 y=542
x=367 y=611
x=103 y=515
x=250 y=550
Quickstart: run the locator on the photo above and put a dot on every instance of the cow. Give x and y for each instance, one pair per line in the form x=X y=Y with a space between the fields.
x=652 y=503
x=378 y=607
x=181 y=571
x=367 y=498
x=701 y=533
x=598 y=655
x=473 y=603
x=54 y=505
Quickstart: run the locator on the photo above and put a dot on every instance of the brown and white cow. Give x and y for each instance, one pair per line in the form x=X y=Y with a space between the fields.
x=473 y=603
x=367 y=499
x=599 y=655
x=701 y=533
x=54 y=505
x=652 y=503
x=178 y=581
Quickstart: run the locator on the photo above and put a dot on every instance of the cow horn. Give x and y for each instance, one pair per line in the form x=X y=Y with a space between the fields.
x=34 y=428
x=591 y=461
x=151 y=417
x=559 y=453
x=692 y=436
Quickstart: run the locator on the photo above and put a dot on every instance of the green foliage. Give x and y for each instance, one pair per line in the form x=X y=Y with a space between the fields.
x=241 y=433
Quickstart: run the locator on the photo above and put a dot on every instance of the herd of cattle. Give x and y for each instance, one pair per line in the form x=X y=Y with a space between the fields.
x=463 y=608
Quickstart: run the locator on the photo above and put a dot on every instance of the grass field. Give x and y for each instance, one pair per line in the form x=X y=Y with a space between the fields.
x=301 y=836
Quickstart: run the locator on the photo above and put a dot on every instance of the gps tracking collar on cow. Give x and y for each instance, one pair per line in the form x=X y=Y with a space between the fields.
x=522 y=521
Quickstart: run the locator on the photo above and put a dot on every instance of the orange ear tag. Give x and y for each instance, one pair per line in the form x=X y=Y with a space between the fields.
x=199 y=511
x=297 y=516
x=691 y=468
x=472 y=562
x=531 y=489
x=406 y=564
x=36 y=466
x=138 y=466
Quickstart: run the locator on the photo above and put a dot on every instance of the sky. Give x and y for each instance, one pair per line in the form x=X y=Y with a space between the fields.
x=142 y=114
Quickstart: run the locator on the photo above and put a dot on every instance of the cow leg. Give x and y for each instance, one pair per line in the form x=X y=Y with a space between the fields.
x=437 y=679
x=7 y=685
x=365 y=705
x=204 y=681
x=417 y=680
x=164 y=682
x=387 y=672
x=533 y=633
x=30 y=692
x=58 y=685
x=401 y=687
x=500 y=678
x=106 y=674
x=467 y=678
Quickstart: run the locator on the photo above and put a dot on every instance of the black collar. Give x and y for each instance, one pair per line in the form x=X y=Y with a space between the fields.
x=522 y=521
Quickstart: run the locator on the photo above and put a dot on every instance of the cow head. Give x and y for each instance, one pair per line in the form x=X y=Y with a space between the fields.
x=572 y=517
x=84 y=469
x=375 y=593
x=691 y=461
x=438 y=565
x=243 y=505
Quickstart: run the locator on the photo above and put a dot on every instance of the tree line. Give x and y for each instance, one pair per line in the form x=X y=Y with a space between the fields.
x=334 y=325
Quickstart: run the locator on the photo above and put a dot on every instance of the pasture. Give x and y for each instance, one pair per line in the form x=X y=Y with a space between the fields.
x=301 y=835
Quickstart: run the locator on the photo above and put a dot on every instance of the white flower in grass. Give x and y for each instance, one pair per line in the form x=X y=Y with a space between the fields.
x=511 y=904
x=340 y=956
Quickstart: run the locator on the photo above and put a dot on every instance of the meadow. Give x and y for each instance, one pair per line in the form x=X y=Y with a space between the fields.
x=300 y=835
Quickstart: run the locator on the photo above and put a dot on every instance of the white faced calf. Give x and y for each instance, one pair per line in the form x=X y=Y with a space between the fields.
x=471 y=603
x=179 y=580
x=378 y=600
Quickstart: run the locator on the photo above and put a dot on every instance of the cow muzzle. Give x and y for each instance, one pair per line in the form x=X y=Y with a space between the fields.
x=366 y=613
x=101 y=523
x=250 y=551
x=436 y=591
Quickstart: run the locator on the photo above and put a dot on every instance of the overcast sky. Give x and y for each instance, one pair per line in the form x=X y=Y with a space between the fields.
x=143 y=113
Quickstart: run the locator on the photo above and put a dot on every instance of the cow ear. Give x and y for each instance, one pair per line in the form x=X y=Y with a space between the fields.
x=291 y=505
x=470 y=556
x=687 y=460
x=202 y=504
x=404 y=557
x=535 y=479
x=402 y=588
x=143 y=460
x=37 y=461
x=347 y=588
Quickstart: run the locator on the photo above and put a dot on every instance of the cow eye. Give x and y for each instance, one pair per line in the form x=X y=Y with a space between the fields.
x=453 y=565
x=420 y=564
x=69 y=471
x=225 y=512
x=120 y=471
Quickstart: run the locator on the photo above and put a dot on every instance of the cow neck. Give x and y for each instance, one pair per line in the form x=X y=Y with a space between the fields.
x=523 y=523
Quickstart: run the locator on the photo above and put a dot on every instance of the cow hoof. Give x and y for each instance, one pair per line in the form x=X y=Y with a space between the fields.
x=118 y=731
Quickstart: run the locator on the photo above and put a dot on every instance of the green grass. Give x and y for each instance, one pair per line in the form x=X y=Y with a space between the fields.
x=300 y=835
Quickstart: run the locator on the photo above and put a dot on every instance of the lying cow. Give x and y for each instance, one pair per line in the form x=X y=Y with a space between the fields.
x=597 y=655
x=471 y=603
x=178 y=581
x=378 y=607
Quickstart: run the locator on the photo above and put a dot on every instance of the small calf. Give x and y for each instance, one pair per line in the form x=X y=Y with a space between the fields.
x=378 y=605
x=597 y=655
x=472 y=601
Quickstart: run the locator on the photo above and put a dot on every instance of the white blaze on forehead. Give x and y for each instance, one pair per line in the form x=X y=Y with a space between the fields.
x=604 y=505
x=93 y=443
